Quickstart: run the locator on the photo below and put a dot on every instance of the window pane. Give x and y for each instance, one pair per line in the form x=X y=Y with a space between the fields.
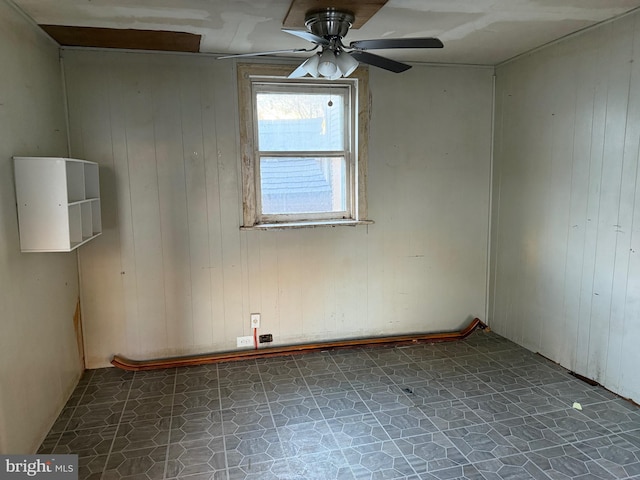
x=302 y=185
x=300 y=122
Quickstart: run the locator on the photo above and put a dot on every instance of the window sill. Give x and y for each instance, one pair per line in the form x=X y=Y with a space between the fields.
x=307 y=224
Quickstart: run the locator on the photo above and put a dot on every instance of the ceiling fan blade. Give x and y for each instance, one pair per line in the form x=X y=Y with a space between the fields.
x=380 y=62
x=396 y=43
x=310 y=37
x=298 y=72
x=294 y=50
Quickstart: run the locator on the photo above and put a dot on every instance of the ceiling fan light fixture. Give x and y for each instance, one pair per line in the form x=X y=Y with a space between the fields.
x=327 y=66
x=346 y=63
x=310 y=65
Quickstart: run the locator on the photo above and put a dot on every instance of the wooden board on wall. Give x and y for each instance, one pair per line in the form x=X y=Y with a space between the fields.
x=123 y=38
x=363 y=10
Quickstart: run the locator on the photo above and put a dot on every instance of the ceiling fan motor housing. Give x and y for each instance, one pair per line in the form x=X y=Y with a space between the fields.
x=329 y=23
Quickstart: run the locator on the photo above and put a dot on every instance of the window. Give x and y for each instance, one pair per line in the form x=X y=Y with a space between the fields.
x=303 y=154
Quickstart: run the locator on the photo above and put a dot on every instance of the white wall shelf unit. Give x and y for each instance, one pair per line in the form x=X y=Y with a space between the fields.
x=58 y=203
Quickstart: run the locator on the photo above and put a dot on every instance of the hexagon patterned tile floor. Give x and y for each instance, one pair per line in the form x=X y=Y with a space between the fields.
x=480 y=409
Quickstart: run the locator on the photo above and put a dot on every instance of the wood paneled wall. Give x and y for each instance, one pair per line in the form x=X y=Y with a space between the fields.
x=39 y=359
x=173 y=273
x=565 y=237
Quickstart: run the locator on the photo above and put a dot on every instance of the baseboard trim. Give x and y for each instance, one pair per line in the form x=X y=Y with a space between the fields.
x=208 y=358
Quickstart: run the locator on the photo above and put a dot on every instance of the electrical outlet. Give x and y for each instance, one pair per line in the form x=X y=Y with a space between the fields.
x=244 y=341
x=255 y=320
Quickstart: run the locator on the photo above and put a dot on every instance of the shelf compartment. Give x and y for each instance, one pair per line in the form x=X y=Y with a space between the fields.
x=96 y=217
x=75 y=181
x=91 y=181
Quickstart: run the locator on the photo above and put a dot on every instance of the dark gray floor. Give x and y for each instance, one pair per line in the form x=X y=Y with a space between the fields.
x=482 y=408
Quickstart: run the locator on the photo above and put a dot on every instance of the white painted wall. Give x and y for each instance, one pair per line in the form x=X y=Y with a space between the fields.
x=565 y=274
x=172 y=273
x=39 y=362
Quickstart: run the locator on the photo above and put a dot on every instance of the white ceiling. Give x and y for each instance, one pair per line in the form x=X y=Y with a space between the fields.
x=485 y=32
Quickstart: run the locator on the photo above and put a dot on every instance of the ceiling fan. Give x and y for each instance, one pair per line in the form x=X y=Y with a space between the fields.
x=326 y=28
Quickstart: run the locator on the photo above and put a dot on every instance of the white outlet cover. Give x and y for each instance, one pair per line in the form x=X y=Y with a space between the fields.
x=244 y=341
x=255 y=320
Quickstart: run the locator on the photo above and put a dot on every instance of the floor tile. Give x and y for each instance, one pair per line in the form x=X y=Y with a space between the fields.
x=191 y=402
x=387 y=357
x=480 y=442
x=368 y=377
x=238 y=373
x=328 y=383
x=542 y=374
x=106 y=393
x=98 y=415
x=405 y=422
x=431 y=452
x=443 y=368
x=466 y=386
x=195 y=383
x=91 y=467
x=149 y=387
x=341 y=404
x=534 y=400
x=514 y=467
x=246 y=419
x=298 y=410
x=142 y=434
x=617 y=454
x=480 y=409
x=504 y=380
x=86 y=443
x=381 y=398
x=255 y=447
x=528 y=433
x=451 y=414
x=289 y=388
x=479 y=363
x=574 y=390
x=306 y=438
x=569 y=462
x=410 y=374
x=278 y=369
x=196 y=427
x=571 y=425
x=269 y=470
x=356 y=359
x=148 y=408
x=321 y=466
x=357 y=430
x=144 y=463
x=186 y=460
x=617 y=416
x=429 y=393
x=494 y=407
x=317 y=364
x=382 y=460
x=242 y=395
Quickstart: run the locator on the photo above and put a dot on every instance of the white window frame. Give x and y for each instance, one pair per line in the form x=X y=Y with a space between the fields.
x=253 y=78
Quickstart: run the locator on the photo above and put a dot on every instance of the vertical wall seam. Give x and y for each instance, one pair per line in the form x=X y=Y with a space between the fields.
x=490 y=200
x=186 y=201
x=624 y=157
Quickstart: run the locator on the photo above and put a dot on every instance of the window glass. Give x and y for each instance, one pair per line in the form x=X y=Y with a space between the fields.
x=302 y=185
x=300 y=122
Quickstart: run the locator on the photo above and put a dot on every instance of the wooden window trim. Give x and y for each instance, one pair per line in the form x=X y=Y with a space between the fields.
x=278 y=72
